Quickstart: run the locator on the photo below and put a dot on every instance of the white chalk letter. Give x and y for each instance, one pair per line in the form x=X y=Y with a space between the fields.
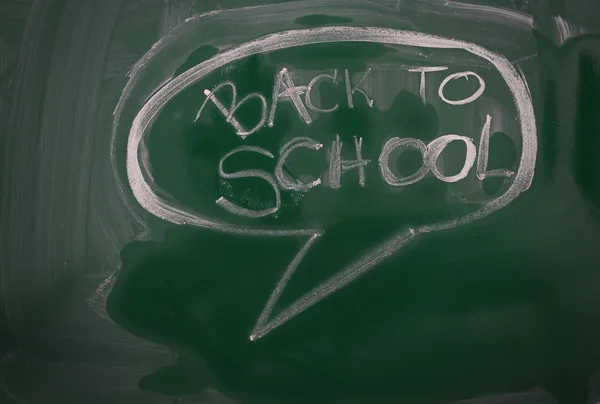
x=228 y=113
x=459 y=75
x=484 y=151
x=290 y=93
x=310 y=86
x=337 y=166
x=437 y=146
x=424 y=70
x=284 y=180
x=350 y=90
x=394 y=144
x=238 y=210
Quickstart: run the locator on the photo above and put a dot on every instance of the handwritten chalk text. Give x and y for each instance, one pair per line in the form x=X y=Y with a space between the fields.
x=301 y=98
x=286 y=90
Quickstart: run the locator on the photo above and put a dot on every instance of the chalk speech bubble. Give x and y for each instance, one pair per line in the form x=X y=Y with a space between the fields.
x=140 y=177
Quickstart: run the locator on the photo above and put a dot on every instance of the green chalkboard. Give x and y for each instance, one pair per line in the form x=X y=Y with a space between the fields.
x=301 y=202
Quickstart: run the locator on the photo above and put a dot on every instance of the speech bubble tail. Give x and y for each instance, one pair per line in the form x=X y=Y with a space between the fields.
x=351 y=272
x=287 y=275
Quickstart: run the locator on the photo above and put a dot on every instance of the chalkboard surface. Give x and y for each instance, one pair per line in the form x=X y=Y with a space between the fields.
x=300 y=202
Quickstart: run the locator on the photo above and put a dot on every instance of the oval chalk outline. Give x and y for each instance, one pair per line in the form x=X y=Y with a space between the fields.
x=298 y=37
